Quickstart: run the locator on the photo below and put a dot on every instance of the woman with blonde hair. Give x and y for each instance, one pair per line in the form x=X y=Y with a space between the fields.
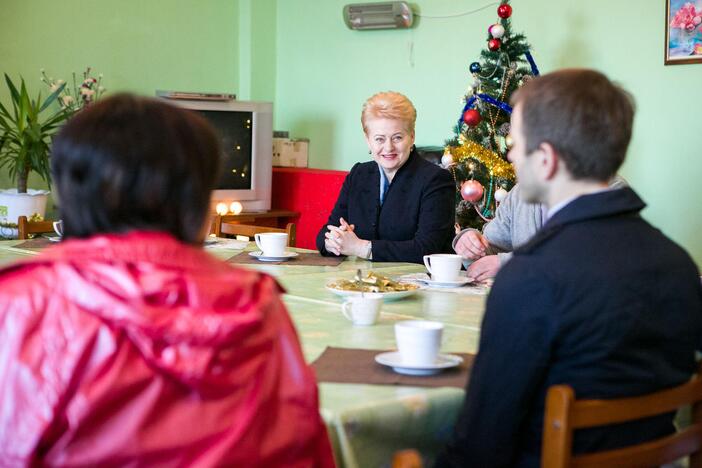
x=397 y=207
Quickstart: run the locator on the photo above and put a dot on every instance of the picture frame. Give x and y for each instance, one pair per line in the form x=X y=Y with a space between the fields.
x=683 y=32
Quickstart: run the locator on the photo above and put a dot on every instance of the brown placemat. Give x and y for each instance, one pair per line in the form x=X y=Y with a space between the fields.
x=347 y=365
x=36 y=243
x=303 y=258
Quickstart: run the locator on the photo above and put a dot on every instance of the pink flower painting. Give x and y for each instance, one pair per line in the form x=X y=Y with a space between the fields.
x=687 y=17
x=684 y=35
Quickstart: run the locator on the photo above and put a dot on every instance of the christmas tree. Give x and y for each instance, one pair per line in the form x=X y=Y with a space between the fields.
x=477 y=154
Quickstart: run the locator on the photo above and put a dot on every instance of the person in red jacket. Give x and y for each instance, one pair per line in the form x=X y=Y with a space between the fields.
x=127 y=344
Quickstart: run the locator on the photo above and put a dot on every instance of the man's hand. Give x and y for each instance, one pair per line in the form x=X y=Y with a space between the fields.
x=484 y=268
x=472 y=245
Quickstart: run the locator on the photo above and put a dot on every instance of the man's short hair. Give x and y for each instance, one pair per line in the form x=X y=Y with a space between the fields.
x=583 y=115
x=131 y=163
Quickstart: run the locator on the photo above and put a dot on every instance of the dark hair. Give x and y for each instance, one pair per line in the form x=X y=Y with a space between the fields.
x=583 y=115
x=131 y=163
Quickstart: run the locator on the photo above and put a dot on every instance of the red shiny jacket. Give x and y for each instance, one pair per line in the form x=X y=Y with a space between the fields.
x=139 y=350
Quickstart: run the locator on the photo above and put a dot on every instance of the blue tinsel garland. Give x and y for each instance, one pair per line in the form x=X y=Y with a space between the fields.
x=491 y=100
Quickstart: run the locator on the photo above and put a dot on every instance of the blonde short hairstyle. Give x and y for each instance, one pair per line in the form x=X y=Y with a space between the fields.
x=389 y=105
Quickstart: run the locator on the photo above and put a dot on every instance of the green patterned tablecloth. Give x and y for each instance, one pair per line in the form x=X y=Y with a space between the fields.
x=367 y=423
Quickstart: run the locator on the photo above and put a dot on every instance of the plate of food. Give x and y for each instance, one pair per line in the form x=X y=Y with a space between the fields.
x=372 y=284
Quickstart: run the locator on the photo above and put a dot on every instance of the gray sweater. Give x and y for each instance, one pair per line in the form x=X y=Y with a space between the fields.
x=516 y=221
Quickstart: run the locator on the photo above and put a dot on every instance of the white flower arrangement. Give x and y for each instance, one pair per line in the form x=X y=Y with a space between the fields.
x=75 y=98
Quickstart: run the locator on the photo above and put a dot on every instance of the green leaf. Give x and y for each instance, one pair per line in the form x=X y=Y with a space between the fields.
x=52 y=122
x=13 y=89
x=52 y=97
x=4 y=112
x=26 y=136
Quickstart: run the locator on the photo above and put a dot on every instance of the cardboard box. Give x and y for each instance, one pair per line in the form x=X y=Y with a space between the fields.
x=290 y=152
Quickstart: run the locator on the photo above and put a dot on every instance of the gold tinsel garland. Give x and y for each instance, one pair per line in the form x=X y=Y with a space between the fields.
x=497 y=166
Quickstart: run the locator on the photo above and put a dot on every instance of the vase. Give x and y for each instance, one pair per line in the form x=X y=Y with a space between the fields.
x=13 y=205
x=682 y=42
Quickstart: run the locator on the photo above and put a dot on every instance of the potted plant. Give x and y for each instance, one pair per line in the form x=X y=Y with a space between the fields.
x=25 y=138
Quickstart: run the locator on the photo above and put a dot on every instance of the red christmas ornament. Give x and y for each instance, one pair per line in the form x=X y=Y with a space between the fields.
x=504 y=11
x=472 y=191
x=471 y=117
x=494 y=44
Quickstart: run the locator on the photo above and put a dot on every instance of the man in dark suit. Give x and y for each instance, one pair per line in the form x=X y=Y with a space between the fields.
x=598 y=299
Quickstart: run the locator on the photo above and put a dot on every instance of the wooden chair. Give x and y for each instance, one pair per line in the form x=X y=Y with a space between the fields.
x=564 y=414
x=250 y=230
x=409 y=458
x=26 y=227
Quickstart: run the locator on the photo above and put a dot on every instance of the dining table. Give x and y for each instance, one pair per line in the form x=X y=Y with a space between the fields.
x=367 y=423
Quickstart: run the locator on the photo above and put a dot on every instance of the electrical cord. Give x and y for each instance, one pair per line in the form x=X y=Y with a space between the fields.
x=458 y=15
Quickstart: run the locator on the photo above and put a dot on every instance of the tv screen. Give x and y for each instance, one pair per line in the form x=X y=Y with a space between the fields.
x=234 y=129
x=246 y=132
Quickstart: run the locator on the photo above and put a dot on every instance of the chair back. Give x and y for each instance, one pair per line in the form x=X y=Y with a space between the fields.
x=564 y=414
x=250 y=230
x=26 y=227
x=409 y=458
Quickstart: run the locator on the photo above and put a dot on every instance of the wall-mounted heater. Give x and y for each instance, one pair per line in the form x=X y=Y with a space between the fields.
x=383 y=15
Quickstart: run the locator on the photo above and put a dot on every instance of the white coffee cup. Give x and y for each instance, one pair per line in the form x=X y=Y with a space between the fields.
x=58 y=227
x=272 y=244
x=443 y=267
x=418 y=341
x=362 y=310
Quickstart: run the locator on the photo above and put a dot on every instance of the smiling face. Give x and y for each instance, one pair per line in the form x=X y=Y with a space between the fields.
x=390 y=143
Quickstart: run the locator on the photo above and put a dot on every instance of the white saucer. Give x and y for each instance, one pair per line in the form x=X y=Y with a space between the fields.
x=54 y=238
x=448 y=284
x=426 y=279
x=258 y=255
x=394 y=360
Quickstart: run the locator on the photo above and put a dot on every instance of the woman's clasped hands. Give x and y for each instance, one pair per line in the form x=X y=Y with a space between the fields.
x=342 y=240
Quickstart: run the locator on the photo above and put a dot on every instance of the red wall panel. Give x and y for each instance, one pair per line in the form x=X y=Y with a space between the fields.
x=312 y=192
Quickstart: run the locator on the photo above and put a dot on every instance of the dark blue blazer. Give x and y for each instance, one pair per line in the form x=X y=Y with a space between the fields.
x=416 y=217
x=599 y=300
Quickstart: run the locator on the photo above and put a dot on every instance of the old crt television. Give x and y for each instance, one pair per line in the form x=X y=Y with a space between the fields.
x=246 y=132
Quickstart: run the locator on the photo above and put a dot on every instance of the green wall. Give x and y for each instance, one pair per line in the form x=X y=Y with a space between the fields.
x=257 y=54
x=325 y=72
x=137 y=45
x=299 y=54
